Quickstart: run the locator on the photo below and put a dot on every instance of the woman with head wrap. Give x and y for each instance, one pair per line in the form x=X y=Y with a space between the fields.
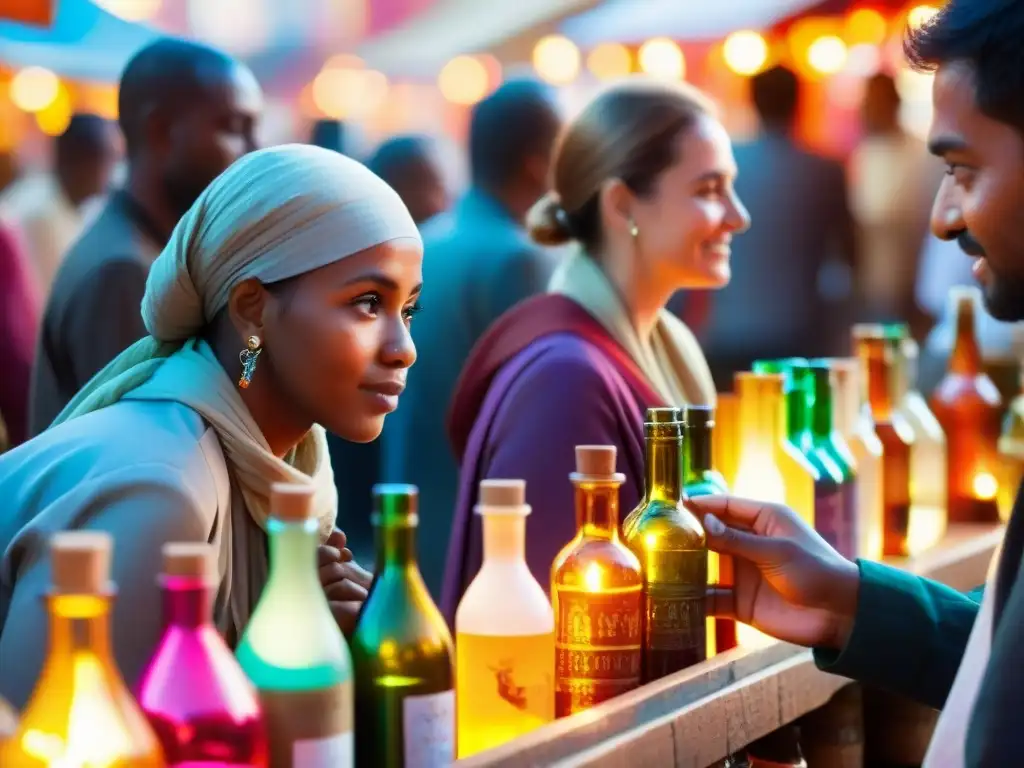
x=280 y=307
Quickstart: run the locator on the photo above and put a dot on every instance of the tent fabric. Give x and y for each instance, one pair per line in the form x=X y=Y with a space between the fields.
x=85 y=42
x=452 y=27
x=634 y=21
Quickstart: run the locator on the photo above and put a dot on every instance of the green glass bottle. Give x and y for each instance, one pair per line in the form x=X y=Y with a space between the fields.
x=402 y=651
x=701 y=479
x=843 y=531
x=292 y=648
x=671 y=545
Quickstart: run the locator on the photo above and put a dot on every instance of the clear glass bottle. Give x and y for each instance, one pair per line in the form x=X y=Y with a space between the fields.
x=292 y=648
x=200 y=703
x=701 y=479
x=504 y=632
x=596 y=592
x=970 y=409
x=402 y=651
x=726 y=449
x=81 y=713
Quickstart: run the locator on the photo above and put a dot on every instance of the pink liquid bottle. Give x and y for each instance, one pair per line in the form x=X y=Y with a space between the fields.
x=202 y=706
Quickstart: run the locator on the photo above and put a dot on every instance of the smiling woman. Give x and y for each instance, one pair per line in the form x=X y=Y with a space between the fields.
x=280 y=306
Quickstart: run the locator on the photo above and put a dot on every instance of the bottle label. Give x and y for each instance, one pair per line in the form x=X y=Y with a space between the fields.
x=309 y=729
x=597 y=646
x=833 y=520
x=428 y=723
x=675 y=613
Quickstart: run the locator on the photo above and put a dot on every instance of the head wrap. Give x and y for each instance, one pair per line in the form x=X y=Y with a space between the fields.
x=274 y=214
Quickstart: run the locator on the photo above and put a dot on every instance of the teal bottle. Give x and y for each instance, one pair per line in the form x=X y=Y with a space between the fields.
x=828 y=477
x=402 y=651
x=292 y=648
x=844 y=536
x=699 y=477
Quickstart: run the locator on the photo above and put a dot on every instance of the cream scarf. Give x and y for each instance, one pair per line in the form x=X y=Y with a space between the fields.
x=671 y=359
x=275 y=214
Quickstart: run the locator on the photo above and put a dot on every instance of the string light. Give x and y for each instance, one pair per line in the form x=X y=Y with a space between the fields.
x=34 y=89
x=556 y=59
x=745 y=52
x=827 y=54
x=609 y=60
x=662 y=58
x=463 y=80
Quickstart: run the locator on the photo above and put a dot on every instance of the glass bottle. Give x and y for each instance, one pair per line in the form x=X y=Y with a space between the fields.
x=402 y=651
x=854 y=424
x=292 y=648
x=758 y=474
x=200 y=703
x=725 y=448
x=844 y=531
x=596 y=592
x=81 y=713
x=701 y=479
x=893 y=432
x=504 y=632
x=671 y=546
x=969 y=408
x=928 y=457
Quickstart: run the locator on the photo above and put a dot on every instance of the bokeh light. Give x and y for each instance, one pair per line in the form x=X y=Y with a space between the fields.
x=556 y=59
x=55 y=116
x=463 y=80
x=34 y=88
x=745 y=52
x=920 y=15
x=349 y=92
x=827 y=54
x=865 y=25
x=661 y=57
x=131 y=10
x=609 y=61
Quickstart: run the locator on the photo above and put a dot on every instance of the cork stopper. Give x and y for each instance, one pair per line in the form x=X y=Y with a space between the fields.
x=596 y=462
x=660 y=416
x=291 y=502
x=190 y=560
x=500 y=496
x=80 y=562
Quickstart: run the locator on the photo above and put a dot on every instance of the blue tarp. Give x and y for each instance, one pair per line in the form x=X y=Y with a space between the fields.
x=85 y=42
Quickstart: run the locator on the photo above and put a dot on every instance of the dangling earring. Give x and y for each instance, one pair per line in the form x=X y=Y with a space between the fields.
x=634 y=230
x=247 y=357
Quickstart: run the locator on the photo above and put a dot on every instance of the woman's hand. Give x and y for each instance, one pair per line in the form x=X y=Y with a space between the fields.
x=788 y=581
x=345 y=584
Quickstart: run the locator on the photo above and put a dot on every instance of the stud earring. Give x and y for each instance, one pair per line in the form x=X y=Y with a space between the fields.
x=634 y=230
x=247 y=357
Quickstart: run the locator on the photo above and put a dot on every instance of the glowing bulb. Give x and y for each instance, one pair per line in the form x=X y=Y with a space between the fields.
x=865 y=25
x=463 y=80
x=985 y=486
x=921 y=15
x=662 y=58
x=55 y=116
x=593 y=578
x=827 y=54
x=609 y=60
x=745 y=52
x=556 y=59
x=34 y=89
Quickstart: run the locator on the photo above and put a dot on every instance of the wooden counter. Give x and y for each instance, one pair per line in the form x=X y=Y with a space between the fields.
x=702 y=714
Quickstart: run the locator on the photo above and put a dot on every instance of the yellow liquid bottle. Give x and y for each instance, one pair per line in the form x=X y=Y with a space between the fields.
x=597 y=593
x=504 y=632
x=725 y=443
x=81 y=713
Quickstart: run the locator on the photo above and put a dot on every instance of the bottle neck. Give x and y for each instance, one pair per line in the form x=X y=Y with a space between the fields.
x=899 y=381
x=504 y=537
x=664 y=468
x=698 y=451
x=823 y=407
x=292 y=550
x=965 y=358
x=396 y=544
x=597 y=507
x=80 y=624
x=796 y=412
x=188 y=602
x=876 y=367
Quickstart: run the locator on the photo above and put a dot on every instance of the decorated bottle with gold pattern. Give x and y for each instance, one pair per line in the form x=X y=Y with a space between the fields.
x=596 y=592
x=672 y=548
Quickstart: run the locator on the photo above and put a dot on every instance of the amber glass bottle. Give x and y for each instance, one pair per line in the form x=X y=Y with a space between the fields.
x=969 y=408
x=596 y=593
x=893 y=432
x=672 y=548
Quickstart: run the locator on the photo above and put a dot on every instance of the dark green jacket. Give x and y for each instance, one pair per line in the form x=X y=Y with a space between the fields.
x=910 y=634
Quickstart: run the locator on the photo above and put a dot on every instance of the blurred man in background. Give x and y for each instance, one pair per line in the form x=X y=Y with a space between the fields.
x=51 y=209
x=187 y=112
x=777 y=304
x=478 y=261
x=412 y=167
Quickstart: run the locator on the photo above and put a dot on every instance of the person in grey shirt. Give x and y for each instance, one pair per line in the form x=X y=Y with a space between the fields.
x=187 y=112
x=478 y=262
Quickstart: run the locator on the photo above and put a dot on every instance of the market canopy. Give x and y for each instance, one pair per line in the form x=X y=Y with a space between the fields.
x=85 y=42
x=452 y=27
x=634 y=21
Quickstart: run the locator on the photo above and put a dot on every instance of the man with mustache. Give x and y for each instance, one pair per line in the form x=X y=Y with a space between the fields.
x=961 y=653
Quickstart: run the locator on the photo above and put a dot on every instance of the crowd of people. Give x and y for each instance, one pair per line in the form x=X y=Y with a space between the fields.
x=231 y=317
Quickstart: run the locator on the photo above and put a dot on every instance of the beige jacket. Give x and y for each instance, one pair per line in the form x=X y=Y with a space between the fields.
x=148 y=473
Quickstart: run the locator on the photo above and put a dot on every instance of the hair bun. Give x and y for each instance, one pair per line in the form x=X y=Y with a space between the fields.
x=548 y=223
